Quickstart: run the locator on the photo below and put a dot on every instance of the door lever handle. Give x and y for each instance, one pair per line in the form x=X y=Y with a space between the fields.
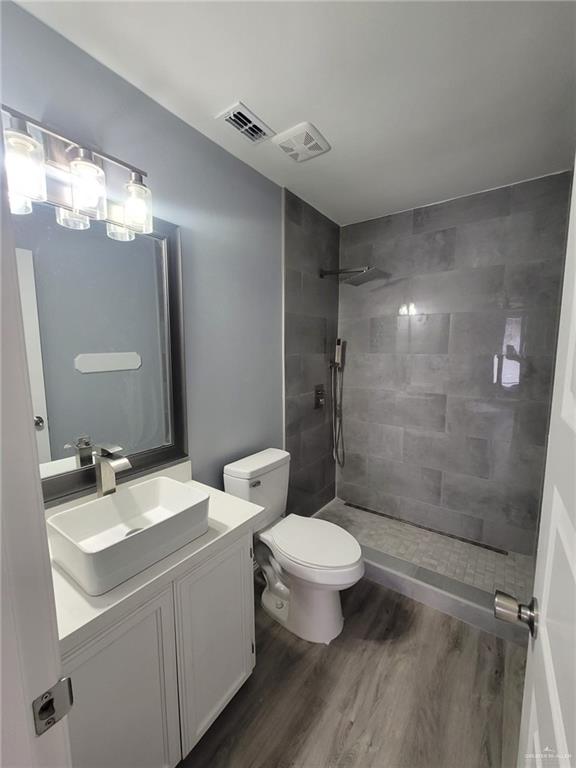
x=507 y=608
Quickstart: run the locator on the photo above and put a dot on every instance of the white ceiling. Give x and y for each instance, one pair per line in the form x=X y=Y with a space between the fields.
x=421 y=102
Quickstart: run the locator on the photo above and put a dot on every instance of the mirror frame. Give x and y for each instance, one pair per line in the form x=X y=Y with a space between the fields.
x=82 y=481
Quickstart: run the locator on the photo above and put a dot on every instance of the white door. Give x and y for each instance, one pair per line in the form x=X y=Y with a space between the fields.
x=548 y=730
x=30 y=650
x=29 y=304
x=214 y=636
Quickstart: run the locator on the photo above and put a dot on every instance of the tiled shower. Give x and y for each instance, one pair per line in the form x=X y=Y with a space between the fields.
x=449 y=361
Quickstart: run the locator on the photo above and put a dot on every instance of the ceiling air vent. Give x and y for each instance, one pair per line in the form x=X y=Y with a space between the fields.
x=246 y=123
x=302 y=142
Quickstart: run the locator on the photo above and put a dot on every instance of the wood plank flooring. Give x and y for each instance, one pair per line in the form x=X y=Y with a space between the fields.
x=403 y=686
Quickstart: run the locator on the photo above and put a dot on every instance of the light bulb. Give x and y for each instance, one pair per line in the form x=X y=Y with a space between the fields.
x=72 y=219
x=88 y=185
x=120 y=233
x=138 y=206
x=24 y=167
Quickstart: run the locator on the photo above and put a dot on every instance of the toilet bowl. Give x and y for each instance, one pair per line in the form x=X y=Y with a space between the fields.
x=306 y=562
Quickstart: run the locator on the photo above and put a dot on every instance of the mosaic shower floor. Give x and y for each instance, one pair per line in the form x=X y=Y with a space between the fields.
x=474 y=565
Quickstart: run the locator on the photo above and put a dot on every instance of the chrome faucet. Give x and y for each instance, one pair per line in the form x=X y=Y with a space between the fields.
x=109 y=460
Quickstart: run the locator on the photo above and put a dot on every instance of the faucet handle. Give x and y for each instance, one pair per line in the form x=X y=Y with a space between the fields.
x=108 y=449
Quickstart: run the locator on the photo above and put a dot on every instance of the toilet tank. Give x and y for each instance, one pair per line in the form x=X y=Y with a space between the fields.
x=261 y=478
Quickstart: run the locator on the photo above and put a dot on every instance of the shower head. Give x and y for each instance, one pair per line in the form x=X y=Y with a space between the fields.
x=357 y=275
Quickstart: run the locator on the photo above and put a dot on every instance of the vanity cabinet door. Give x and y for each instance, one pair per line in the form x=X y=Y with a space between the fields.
x=125 y=711
x=215 y=635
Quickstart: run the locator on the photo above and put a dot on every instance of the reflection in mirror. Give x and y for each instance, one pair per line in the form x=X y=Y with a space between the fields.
x=96 y=324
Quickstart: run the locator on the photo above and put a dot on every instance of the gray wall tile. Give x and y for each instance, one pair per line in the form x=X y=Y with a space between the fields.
x=486 y=205
x=305 y=334
x=460 y=290
x=400 y=479
x=416 y=334
x=373 y=438
x=467 y=379
x=311 y=318
x=533 y=285
x=374 y=370
x=455 y=453
x=416 y=254
x=490 y=500
x=479 y=333
x=548 y=191
x=509 y=421
x=518 y=464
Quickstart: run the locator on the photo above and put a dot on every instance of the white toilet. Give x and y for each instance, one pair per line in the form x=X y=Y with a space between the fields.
x=306 y=561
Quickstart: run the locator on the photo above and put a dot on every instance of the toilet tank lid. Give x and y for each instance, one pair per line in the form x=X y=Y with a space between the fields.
x=257 y=464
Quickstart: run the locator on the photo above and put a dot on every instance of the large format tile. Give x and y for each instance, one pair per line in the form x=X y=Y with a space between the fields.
x=305 y=334
x=468 y=455
x=376 y=297
x=511 y=421
x=461 y=290
x=400 y=479
x=547 y=192
x=517 y=463
x=497 y=332
x=416 y=254
x=462 y=210
x=490 y=500
x=377 y=371
x=316 y=443
x=533 y=285
x=375 y=230
x=319 y=296
x=377 y=406
x=373 y=438
x=416 y=334
x=482 y=376
x=538 y=235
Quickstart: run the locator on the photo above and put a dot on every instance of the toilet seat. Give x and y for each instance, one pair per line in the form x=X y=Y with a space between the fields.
x=315 y=550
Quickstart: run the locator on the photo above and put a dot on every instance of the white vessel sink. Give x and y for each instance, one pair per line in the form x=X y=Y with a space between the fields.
x=105 y=541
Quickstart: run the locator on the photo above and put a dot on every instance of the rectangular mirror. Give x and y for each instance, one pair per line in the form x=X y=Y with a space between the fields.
x=102 y=323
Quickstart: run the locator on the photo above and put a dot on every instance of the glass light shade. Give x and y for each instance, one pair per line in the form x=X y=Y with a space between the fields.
x=120 y=233
x=138 y=206
x=20 y=205
x=24 y=169
x=72 y=219
x=88 y=185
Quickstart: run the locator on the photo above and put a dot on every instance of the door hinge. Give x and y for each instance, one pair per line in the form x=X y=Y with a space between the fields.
x=252 y=644
x=251 y=553
x=52 y=705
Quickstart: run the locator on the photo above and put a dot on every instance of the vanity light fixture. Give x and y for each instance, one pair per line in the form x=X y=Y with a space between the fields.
x=24 y=167
x=88 y=184
x=72 y=219
x=77 y=180
x=138 y=205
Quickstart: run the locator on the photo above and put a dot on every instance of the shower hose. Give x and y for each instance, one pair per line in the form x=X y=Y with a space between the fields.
x=337 y=387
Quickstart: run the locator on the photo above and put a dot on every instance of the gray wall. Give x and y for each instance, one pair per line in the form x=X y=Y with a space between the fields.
x=87 y=303
x=446 y=412
x=311 y=310
x=230 y=220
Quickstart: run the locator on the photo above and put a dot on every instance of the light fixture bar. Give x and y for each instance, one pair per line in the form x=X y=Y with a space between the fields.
x=81 y=145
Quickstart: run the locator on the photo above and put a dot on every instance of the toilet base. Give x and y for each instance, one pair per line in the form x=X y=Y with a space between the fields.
x=314 y=614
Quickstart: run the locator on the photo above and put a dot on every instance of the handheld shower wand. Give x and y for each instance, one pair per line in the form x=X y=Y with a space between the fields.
x=337 y=388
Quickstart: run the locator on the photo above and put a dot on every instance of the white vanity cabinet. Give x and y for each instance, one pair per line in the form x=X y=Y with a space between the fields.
x=124 y=680
x=215 y=636
x=148 y=687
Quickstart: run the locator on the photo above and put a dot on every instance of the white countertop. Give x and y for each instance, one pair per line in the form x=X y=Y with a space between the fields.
x=80 y=615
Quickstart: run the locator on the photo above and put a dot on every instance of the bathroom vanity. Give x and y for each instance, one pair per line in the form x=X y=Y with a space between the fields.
x=155 y=660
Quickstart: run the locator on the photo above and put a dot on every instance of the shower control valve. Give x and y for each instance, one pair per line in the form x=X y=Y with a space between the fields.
x=319 y=397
